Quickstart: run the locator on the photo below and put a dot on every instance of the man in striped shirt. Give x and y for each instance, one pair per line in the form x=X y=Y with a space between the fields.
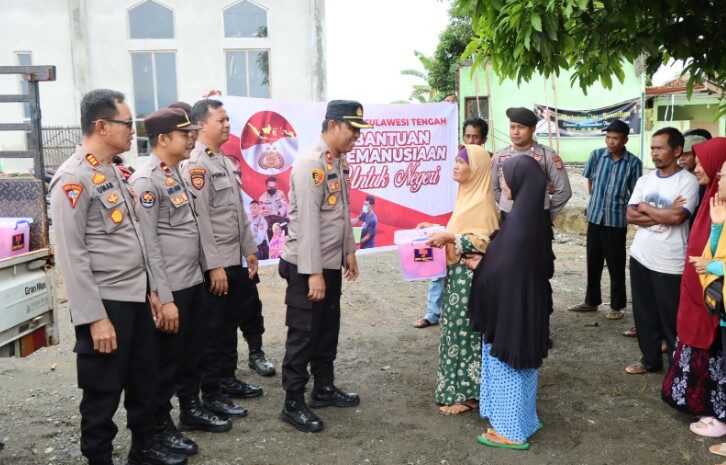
x=612 y=172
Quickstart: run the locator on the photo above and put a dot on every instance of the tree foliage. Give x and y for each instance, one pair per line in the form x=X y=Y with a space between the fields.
x=445 y=61
x=594 y=38
x=422 y=92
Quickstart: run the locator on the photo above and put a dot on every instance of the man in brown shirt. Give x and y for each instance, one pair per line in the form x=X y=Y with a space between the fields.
x=103 y=259
x=320 y=243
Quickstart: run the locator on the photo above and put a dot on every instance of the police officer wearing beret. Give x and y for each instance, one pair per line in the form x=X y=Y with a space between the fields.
x=178 y=295
x=320 y=243
x=226 y=237
x=522 y=123
x=103 y=258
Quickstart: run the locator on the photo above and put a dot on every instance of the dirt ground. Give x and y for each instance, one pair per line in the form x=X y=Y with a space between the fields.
x=593 y=412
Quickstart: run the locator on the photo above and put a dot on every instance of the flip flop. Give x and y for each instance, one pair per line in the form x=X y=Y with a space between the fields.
x=630 y=332
x=423 y=323
x=466 y=409
x=582 y=308
x=501 y=442
x=708 y=427
x=718 y=449
x=636 y=369
x=615 y=315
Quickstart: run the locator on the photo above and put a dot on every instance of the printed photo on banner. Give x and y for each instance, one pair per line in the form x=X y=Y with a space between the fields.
x=400 y=171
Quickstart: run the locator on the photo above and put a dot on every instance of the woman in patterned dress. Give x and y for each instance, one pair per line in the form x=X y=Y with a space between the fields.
x=508 y=305
x=473 y=222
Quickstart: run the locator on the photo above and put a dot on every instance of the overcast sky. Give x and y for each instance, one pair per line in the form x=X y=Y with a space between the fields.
x=370 y=42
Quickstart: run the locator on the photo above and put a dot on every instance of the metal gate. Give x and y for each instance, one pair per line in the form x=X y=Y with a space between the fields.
x=59 y=143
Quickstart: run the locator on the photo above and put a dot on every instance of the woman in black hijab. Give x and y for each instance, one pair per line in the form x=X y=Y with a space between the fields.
x=508 y=305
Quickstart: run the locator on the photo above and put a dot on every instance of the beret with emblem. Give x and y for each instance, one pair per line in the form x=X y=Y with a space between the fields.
x=522 y=115
x=349 y=111
x=618 y=126
x=167 y=120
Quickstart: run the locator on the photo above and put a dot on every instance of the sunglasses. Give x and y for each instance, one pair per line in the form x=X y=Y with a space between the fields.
x=129 y=123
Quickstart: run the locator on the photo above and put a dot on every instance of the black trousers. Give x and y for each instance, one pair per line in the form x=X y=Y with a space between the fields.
x=225 y=315
x=655 y=308
x=606 y=244
x=131 y=369
x=251 y=321
x=312 y=329
x=549 y=255
x=180 y=354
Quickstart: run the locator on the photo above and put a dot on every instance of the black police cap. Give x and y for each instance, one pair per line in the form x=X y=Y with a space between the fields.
x=166 y=120
x=522 y=115
x=349 y=111
x=617 y=126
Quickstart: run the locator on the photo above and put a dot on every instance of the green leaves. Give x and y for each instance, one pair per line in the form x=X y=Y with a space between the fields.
x=537 y=22
x=594 y=38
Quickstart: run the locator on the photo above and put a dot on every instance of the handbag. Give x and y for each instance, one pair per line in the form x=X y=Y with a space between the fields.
x=713 y=298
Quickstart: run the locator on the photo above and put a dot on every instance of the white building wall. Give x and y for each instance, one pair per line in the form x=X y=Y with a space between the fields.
x=56 y=33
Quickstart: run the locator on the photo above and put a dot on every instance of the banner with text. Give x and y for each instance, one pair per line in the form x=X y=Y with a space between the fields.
x=401 y=170
x=587 y=123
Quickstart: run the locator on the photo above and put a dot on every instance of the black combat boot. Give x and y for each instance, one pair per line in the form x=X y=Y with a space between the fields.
x=146 y=450
x=258 y=361
x=326 y=394
x=219 y=403
x=296 y=412
x=170 y=437
x=193 y=416
x=237 y=388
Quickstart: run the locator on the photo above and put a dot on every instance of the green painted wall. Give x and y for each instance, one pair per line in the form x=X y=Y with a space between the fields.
x=507 y=94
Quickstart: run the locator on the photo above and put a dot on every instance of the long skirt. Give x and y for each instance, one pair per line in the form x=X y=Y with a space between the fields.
x=696 y=382
x=459 y=360
x=508 y=398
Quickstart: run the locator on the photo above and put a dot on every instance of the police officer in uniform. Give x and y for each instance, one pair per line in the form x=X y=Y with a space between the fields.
x=178 y=294
x=522 y=123
x=225 y=237
x=273 y=200
x=102 y=254
x=320 y=243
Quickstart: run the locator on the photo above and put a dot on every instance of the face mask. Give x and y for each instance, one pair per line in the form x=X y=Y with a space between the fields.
x=366 y=208
x=271 y=190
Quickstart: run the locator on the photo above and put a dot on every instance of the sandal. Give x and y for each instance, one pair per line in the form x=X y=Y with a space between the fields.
x=636 y=368
x=615 y=315
x=718 y=449
x=423 y=323
x=492 y=439
x=459 y=408
x=582 y=308
x=630 y=332
x=708 y=427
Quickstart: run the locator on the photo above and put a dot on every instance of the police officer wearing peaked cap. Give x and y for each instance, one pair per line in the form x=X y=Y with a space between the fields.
x=178 y=295
x=522 y=124
x=320 y=243
x=103 y=259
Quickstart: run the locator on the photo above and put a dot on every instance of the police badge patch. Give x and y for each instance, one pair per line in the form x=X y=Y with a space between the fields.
x=318 y=176
x=73 y=191
x=147 y=199
x=197 y=177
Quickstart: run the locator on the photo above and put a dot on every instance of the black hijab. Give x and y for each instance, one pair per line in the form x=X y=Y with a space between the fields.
x=508 y=301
